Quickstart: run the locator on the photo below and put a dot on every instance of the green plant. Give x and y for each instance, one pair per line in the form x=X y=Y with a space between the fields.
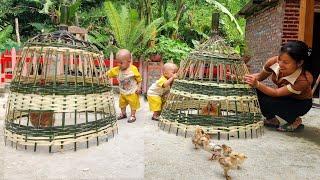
x=128 y=30
x=43 y=27
x=223 y=9
x=170 y=50
x=5 y=41
x=103 y=41
x=67 y=13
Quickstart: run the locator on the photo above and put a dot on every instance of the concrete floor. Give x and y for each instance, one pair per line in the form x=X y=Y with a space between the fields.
x=142 y=151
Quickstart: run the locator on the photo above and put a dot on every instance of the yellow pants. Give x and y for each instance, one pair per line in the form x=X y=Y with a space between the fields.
x=155 y=103
x=131 y=99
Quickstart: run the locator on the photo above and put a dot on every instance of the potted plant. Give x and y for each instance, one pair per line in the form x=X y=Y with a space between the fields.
x=153 y=54
x=171 y=50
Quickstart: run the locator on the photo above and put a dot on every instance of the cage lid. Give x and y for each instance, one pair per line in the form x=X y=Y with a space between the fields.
x=61 y=38
x=215 y=47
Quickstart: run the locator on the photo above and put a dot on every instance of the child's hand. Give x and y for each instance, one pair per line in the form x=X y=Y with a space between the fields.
x=138 y=91
x=232 y=76
x=175 y=75
x=165 y=95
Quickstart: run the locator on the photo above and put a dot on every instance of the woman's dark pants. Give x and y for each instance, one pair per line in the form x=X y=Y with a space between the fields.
x=287 y=108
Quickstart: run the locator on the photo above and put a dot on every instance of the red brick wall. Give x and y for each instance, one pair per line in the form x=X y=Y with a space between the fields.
x=317 y=6
x=263 y=35
x=290 y=20
x=267 y=30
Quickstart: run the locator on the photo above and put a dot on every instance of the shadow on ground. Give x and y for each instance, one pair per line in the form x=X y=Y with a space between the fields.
x=309 y=133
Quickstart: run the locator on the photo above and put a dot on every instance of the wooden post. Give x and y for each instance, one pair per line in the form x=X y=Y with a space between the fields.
x=306 y=21
x=111 y=66
x=17 y=30
x=141 y=72
x=13 y=59
x=1 y=64
x=215 y=23
x=145 y=76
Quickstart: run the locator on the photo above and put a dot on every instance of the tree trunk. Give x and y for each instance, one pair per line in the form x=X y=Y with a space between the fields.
x=148 y=11
x=179 y=11
x=141 y=6
x=160 y=4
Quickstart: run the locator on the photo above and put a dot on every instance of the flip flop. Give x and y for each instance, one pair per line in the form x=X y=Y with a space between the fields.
x=121 y=116
x=132 y=119
x=154 y=119
x=289 y=128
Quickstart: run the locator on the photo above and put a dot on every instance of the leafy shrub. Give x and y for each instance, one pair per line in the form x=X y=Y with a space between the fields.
x=170 y=49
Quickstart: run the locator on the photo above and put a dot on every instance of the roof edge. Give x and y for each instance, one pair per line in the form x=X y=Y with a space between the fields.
x=253 y=7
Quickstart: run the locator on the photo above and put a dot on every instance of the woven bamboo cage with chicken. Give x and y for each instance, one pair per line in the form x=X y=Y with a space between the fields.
x=59 y=95
x=210 y=93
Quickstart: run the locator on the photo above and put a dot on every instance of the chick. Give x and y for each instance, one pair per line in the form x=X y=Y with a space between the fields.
x=228 y=163
x=42 y=119
x=196 y=137
x=211 y=147
x=210 y=109
x=233 y=161
x=241 y=158
x=226 y=150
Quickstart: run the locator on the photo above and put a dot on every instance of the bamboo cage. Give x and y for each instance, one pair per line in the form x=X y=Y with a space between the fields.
x=59 y=94
x=210 y=93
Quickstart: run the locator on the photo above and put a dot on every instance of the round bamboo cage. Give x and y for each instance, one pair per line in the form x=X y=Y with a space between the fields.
x=210 y=93
x=59 y=95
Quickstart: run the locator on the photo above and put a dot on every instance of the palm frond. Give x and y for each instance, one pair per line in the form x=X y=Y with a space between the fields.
x=133 y=21
x=73 y=8
x=125 y=24
x=42 y=27
x=171 y=24
x=46 y=6
x=5 y=34
x=150 y=29
x=136 y=35
x=115 y=22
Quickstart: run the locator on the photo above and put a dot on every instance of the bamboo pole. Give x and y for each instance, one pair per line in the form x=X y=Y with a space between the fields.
x=316 y=84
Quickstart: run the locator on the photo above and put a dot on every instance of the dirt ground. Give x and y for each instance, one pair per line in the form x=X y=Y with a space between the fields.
x=142 y=151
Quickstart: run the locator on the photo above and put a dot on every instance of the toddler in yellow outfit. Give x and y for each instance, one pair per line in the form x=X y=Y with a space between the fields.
x=129 y=84
x=158 y=90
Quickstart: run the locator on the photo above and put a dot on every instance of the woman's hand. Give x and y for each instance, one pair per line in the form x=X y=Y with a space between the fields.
x=251 y=80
